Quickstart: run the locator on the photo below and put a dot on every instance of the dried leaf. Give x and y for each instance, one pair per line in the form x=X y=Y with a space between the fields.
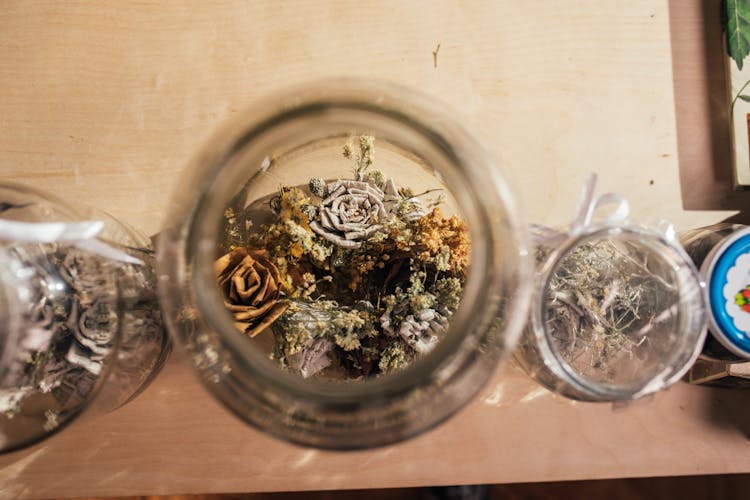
x=738 y=30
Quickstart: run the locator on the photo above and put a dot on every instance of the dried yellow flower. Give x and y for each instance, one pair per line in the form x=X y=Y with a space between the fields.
x=434 y=233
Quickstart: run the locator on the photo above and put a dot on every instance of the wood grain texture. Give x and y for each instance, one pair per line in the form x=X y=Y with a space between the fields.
x=104 y=102
x=702 y=109
x=176 y=439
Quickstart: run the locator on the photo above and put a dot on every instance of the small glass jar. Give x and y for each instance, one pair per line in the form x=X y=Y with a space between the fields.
x=79 y=319
x=293 y=144
x=721 y=252
x=617 y=311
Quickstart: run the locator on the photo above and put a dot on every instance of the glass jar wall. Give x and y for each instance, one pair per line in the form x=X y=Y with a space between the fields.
x=79 y=316
x=344 y=265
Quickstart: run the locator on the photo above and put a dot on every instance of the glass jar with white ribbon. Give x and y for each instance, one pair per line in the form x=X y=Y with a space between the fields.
x=78 y=314
x=617 y=311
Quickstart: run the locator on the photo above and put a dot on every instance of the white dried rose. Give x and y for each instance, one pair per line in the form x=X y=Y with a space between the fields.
x=352 y=212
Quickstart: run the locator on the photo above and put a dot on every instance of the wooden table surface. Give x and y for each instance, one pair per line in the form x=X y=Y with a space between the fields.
x=104 y=102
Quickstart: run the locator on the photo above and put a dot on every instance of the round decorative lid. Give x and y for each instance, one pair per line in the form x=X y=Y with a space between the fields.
x=727 y=273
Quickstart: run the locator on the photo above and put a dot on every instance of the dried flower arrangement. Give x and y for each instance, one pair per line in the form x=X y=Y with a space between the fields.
x=355 y=276
x=603 y=301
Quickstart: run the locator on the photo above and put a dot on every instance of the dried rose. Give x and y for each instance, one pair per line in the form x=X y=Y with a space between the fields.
x=250 y=283
x=351 y=213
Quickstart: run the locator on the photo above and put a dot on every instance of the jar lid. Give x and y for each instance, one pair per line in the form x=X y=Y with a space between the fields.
x=727 y=274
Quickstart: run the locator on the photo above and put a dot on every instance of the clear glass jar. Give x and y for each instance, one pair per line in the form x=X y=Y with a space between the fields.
x=617 y=311
x=288 y=141
x=720 y=251
x=79 y=319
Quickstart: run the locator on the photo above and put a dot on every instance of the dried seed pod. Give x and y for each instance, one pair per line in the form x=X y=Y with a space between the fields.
x=250 y=283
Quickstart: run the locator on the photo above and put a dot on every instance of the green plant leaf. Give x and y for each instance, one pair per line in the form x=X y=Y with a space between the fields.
x=738 y=30
x=745 y=98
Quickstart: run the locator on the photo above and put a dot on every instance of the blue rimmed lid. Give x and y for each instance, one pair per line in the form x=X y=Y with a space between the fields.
x=727 y=272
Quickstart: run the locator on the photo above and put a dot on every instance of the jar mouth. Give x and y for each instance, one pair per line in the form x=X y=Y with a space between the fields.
x=206 y=229
x=356 y=413
x=683 y=323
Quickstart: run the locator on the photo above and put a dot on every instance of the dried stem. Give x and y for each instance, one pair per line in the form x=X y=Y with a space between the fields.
x=602 y=301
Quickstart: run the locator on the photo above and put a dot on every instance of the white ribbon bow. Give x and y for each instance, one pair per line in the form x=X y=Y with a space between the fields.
x=588 y=205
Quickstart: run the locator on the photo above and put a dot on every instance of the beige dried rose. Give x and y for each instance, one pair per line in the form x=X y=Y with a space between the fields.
x=250 y=284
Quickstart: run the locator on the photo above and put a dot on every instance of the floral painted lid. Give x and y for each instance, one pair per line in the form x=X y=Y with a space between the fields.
x=727 y=273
